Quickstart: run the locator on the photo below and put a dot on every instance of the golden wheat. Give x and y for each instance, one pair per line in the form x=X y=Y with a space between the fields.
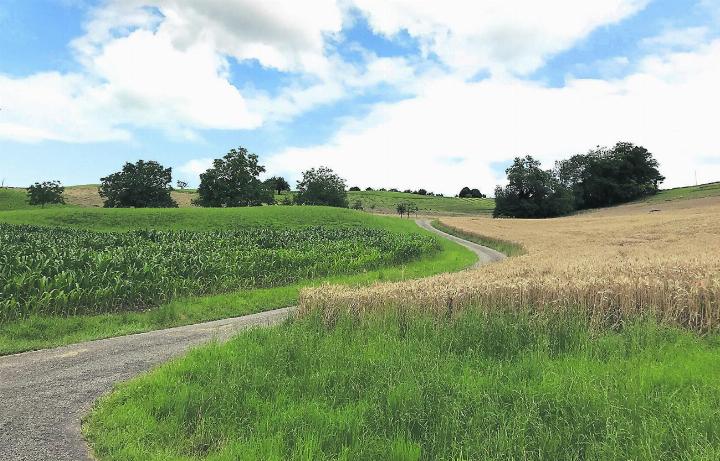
x=612 y=265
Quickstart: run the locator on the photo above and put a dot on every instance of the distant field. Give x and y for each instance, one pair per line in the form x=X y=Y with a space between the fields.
x=387 y=201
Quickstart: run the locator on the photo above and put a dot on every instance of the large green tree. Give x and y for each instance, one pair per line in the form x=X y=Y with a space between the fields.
x=233 y=181
x=140 y=185
x=609 y=176
x=531 y=192
x=321 y=186
x=44 y=193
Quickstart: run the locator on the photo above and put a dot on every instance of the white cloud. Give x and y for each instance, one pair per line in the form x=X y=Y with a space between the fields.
x=449 y=134
x=194 y=168
x=690 y=37
x=496 y=35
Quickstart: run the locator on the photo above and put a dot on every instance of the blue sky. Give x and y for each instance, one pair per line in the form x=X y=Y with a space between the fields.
x=392 y=93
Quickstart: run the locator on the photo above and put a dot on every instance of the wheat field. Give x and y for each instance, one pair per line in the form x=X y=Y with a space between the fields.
x=613 y=265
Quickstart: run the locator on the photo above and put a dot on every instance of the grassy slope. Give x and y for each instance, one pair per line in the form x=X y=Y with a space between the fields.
x=86 y=196
x=42 y=332
x=387 y=201
x=679 y=193
x=480 y=387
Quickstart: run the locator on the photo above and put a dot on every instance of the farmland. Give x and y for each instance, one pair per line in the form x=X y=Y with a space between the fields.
x=612 y=265
x=599 y=342
x=46 y=271
x=74 y=274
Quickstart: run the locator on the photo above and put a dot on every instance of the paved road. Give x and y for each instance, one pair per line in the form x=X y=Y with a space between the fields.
x=485 y=255
x=44 y=394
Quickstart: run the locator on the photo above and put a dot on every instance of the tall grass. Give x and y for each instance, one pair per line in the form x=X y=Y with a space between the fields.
x=390 y=386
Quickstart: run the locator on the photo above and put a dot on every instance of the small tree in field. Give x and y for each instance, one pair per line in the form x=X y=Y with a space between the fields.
x=140 y=185
x=401 y=208
x=233 y=182
x=277 y=184
x=357 y=205
x=321 y=186
x=43 y=193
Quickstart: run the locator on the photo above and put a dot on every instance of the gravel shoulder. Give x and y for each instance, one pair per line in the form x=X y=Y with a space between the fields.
x=44 y=394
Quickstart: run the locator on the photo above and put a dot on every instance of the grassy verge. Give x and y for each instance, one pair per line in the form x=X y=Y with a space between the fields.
x=505 y=247
x=482 y=386
x=39 y=332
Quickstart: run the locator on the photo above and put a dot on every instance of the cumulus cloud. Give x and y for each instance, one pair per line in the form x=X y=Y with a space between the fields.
x=499 y=35
x=452 y=132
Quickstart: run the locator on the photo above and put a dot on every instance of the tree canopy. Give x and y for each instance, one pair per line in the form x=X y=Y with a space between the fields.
x=233 y=181
x=277 y=184
x=531 y=192
x=321 y=186
x=609 y=176
x=45 y=193
x=140 y=185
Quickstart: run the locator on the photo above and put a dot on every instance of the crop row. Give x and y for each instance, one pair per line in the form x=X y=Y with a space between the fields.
x=60 y=271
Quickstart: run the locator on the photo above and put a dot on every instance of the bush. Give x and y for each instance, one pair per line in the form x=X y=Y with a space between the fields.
x=139 y=185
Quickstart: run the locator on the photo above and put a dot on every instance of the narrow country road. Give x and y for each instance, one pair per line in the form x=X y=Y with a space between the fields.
x=44 y=394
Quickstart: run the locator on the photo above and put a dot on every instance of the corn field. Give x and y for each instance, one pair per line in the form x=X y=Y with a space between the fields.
x=60 y=271
x=611 y=265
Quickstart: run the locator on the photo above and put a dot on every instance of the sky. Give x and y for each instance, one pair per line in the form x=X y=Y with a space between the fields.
x=388 y=93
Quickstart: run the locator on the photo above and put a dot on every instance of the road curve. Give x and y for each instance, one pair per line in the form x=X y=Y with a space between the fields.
x=44 y=394
x=485 y=255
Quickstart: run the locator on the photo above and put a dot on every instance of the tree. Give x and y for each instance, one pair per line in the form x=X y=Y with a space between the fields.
x=401 y=208
x=368 y=189
x=48 y=192
x=466 y=192
x=393 y=190
x=181 y=184
x=357 y=205
x=407 y=191
x=354 y=189
x=421 y=192
x=233 y=181
x=605 y=177
x=531 y=192
x=322 y=186
x=140 y=185
x=277 y=184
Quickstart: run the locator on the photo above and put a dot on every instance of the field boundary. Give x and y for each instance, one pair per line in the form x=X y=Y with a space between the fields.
x=506 y=247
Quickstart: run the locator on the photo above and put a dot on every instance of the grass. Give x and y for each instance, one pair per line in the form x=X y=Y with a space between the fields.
x=38 y=332
x=503 y=246
x=480 y=386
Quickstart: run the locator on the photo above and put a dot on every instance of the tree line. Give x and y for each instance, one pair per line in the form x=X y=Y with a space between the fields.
x=602 y=177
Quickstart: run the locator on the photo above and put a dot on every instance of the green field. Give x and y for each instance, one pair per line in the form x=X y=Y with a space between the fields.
x=481 y=386
x=385 y=202
x=76 y=270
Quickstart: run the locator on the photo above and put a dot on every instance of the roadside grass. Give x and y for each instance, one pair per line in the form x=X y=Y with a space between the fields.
x=37 y=332
x=496 y=385
x=505 y=247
